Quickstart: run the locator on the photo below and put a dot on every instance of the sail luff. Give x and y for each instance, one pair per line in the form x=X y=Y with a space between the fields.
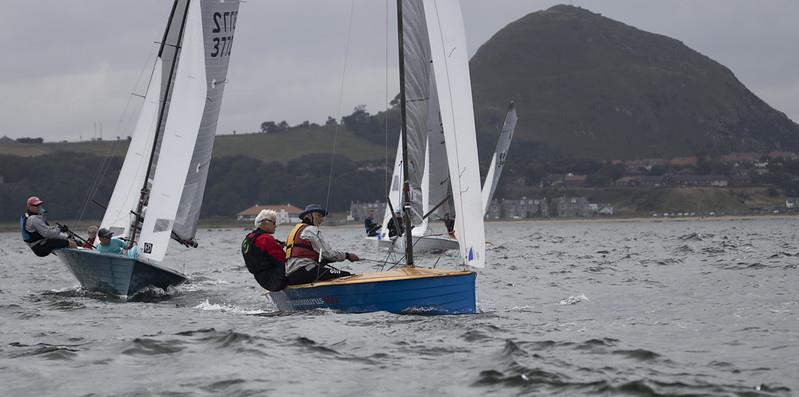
x=500 y=155
x=125 y=196
x=450 y=62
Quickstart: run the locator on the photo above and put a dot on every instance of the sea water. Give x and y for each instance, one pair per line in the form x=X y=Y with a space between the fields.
x=566 y=308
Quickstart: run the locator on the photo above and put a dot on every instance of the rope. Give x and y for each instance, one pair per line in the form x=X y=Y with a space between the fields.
x=340 y=103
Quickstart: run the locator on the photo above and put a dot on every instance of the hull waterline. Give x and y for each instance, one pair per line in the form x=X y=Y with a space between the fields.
x=402 y=291
x=117 y=274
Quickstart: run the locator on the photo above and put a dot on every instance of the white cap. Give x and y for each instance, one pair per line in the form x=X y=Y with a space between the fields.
x=266 y=214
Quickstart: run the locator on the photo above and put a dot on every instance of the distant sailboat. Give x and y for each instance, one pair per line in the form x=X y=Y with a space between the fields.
x=435 y=183
x=160 y=187
x=435 y=27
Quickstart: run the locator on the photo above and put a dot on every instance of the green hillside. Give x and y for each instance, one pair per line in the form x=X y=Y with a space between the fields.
x=596 y=88
x=281 y=147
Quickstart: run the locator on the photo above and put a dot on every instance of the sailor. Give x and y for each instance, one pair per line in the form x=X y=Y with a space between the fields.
x=262 y=253
x=395 y=224
x=108 y=244
x=370 y=225
x=308 y=253
x=92 y=235
x=38 y=234
x=449 y=223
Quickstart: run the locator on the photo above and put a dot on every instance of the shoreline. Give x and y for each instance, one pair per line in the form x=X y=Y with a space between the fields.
x=217 y=224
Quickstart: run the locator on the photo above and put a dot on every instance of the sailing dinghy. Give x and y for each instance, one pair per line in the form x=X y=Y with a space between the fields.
x=155 y=201
x=431 y=27
x=435 y=183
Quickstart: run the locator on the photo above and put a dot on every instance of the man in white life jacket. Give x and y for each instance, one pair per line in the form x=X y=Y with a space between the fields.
x=307 y=253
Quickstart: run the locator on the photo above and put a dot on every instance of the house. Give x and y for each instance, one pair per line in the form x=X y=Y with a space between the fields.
x=358 y=210
x=523 y=208
x=792 y=202
x=571 y=206
x=571 y=180
x=285 y=213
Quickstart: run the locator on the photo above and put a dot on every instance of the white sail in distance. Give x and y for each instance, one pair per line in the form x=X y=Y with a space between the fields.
x=500 y=155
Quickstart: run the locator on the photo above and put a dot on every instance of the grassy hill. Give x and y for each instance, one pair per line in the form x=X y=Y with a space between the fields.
x=596 y=88
x=280 y=147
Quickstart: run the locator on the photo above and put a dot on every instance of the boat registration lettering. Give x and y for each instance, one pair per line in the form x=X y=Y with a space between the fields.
x=324 y=300
x=224 y=23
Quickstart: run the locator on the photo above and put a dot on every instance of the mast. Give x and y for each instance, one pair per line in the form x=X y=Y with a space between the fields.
x=144 y=190
x=406 y=187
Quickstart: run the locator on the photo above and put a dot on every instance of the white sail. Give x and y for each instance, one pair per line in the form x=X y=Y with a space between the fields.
x=127 y=190
x=220 y=16
x=178 y=139
x=451 y=65
x=500 y=154
x=393 y=191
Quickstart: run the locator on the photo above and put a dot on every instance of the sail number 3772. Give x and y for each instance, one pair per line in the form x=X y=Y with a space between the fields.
x=224 y=23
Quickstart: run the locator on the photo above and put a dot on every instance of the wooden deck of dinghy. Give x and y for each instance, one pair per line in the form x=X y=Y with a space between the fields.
x=404 y=273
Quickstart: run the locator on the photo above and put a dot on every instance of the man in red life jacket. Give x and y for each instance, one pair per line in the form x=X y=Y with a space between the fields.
x=263 y=254
x=92 y=236
x=308 y=253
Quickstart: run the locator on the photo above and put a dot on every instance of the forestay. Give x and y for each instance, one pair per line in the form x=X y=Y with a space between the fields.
x=126 y=193
x=451 y=66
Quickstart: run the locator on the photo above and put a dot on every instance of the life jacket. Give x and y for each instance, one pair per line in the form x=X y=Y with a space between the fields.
x=28 y=237
x=298 y=247
x=269 y=273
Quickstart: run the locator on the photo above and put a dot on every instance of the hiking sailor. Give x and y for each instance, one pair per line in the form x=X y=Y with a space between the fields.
x=263 y=254
x=38 y=234
x=308 y=253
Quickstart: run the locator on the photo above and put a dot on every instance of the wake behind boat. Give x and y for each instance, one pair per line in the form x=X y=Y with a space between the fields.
x=154 y=201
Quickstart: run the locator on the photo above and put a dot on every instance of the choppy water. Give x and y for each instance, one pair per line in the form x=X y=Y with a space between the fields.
x=672 y=308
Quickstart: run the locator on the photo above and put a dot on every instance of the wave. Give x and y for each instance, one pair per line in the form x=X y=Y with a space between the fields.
x=221 y=307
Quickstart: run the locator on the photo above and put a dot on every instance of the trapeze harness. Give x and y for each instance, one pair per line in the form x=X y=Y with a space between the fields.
x=269 y=273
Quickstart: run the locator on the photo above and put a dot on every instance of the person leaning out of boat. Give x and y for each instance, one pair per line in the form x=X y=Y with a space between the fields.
x=91 y=232
x=38 y=234
x=309 y=253
x=109 y=244
x=263 y=254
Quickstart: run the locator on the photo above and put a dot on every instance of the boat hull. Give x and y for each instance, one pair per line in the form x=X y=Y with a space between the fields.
x=402 y=291
x=423 y=244
x=116 y=274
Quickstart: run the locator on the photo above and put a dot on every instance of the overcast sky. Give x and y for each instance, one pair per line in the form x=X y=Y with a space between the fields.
x=68 y=64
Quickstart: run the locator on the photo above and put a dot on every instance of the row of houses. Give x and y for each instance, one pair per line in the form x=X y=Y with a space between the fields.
x=543 y=208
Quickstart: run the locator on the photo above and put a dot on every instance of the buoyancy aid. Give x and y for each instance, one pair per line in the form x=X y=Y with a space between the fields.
x=269 y=273
x=28 y=237
x=298 y=247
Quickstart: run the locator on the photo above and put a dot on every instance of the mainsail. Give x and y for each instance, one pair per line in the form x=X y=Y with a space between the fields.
x=500 y=154
x=188 y=82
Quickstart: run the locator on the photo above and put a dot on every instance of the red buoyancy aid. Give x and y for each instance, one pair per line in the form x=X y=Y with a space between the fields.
x=298 y=247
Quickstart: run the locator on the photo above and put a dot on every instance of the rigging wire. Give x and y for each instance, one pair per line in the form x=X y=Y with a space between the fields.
x=340 y=103
x=106 y=162
x=385 y=121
